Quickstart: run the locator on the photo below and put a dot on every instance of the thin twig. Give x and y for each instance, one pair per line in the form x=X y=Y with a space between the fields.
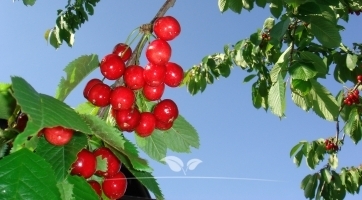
x=293 y=36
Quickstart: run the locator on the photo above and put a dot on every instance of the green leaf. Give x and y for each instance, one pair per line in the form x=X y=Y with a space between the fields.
x=295 y=3
x=300 y=70
x=353 y=127
x=324 y=104
x=351 y=61
x=276 y=8
x=296 y=147
x=29 y=2
x=82 y=189
x=61 y=157
x=25 y=175
x=54 y=38
x=248 y=78
x=87 y=108
x=302 y=101
x=7 y=101
x=181 y=136
x=269 y=23
x=298 y=158
x=261 y=3
x=280 y=66
x=301 y=87
x=317 y=61
x=131 y=152
x=65 y=189
x=327 y=176
x=248 y=4
x=235 y=5
x=305 y=181
x=110 y=135
x=145 y=178
x=310 y=188
x=256 y=98
x=43 y=111
x=325 y=31
x=276 y=97
x=333 y=161
x=76 y=71
x=278 y=31
x=153 y=145
x=223 y=5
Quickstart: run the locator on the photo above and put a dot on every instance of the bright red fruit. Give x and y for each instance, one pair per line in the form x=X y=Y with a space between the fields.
x=147 y=124
x=167 y=28
x=113 y=163
x=21 y=122
x=96 y=187
x=122 y=50
x=163 y=126
x=174 y=74
x=122 y=98
x=359 y=78
x=133 y=77
x=99 y=95
x=112 y=67
x=127 y=120
x=89 y=86
x=154 y=74
x=158 y=52
x=153 y=93
x=58 y=135
x=114 y=187
x=166 y=111
x=85 y=165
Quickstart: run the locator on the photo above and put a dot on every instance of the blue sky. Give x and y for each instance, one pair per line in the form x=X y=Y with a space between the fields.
x=236 y=139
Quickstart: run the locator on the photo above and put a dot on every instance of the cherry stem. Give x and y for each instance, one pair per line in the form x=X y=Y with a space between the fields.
x=129 y=36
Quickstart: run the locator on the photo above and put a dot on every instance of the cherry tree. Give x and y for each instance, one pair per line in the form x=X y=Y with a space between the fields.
x=78 y=152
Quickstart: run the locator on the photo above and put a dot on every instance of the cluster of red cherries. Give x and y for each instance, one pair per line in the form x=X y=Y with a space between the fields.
x=353 y=96
x=114 y=182
x=330 y=145
x=357 y=12
x=150 y=81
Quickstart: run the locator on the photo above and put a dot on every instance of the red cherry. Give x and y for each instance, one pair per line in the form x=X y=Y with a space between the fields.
x=85 y=165
x=112 y=67
x=154 y=74
x=99 y=95
x=166 y=111
x=122 y=98
x=133 y=77
x=122 y=50
x=113 y=163
x=153 y=93
x=158 y=52
x=163 y=126
x=89 y=86
x=356 y=92
x=58 y=135
x=167 y=28
x=114 y=187
x=147 y=124
x=174 y=74
x=127 y=120
x=359 y=78
x=96 y=187
x=21 y=122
